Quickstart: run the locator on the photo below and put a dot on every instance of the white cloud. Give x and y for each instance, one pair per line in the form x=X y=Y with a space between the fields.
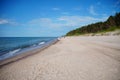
x=65 y=21
x=117 y=4
x=3 y=21
x=44 y=22
x=55 y=9
x=92 y=10
x=8 y=21
x=80 y=20
x=62 y=21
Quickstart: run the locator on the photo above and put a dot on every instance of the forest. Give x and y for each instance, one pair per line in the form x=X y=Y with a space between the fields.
x=112 y=23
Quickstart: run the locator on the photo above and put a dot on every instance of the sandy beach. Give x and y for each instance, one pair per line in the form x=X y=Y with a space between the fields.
x=72 y=58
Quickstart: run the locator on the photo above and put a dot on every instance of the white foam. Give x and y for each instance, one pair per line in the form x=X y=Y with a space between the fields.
x=41 y=43
x=14 y=51
x=9 y=54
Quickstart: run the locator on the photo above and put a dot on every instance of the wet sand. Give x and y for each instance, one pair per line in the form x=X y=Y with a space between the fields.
x=72 y=58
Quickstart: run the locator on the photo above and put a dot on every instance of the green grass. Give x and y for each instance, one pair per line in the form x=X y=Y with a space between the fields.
x=99 y=32
x=109 y=29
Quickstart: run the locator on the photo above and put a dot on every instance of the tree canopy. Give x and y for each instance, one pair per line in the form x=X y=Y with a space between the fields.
x=110 y=23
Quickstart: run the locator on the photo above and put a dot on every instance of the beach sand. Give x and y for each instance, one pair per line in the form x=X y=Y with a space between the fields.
x=72 y=58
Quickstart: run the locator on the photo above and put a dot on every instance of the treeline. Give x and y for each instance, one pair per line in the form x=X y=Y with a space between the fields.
x=112 y=22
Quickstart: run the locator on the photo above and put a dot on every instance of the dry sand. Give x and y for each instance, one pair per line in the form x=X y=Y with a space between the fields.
x=72 y=58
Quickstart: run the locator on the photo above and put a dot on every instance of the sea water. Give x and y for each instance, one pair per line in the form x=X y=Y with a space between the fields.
x=11 y=46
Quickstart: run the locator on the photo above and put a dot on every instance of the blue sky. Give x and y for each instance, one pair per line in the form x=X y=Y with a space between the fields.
x=38 y=18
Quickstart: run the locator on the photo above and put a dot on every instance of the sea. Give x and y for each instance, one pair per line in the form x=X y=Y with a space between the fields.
x=12 y=46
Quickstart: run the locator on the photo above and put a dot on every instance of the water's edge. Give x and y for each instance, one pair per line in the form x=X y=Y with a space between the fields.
x=26 y=53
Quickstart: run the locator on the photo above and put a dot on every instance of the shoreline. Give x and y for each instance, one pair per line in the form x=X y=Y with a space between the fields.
x=71 y=58
x=26 y=53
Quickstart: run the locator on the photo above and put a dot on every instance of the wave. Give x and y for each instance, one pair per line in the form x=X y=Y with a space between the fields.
x=14 y=51
x=9 y=54
x=23 y=48
x=34 y=45
x=41 y=43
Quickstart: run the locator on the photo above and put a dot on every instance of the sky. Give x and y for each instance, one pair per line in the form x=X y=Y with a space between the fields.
x=51 y=18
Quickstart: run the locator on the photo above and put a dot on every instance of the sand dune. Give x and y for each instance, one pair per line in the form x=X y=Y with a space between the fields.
x=72 y=58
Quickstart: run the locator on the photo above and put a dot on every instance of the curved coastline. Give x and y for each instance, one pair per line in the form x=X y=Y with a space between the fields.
x=28 y=52
x=72 y=58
